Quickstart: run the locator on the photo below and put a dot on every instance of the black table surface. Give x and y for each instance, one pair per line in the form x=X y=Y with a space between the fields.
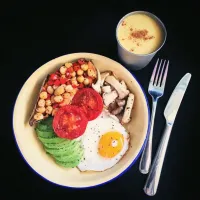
x=32 y=34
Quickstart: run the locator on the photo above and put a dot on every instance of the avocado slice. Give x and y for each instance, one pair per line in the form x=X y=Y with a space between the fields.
x=66 y=150
x=52 y=140
x=45 y=134
x=68 y=164
x=60 y=145
x=70 y=157
x=45 y=125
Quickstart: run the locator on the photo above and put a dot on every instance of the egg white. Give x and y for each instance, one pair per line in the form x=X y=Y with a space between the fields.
x=92 y=160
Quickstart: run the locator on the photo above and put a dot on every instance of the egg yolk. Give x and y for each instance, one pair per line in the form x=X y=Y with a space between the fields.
x=110 y=144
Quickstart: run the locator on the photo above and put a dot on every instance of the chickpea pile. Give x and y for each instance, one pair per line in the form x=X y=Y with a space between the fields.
x=62 y=85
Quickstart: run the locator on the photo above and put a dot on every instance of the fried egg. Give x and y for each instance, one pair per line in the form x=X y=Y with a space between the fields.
x=105 y=141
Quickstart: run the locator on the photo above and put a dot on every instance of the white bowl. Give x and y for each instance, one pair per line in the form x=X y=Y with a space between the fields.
x=32 y=150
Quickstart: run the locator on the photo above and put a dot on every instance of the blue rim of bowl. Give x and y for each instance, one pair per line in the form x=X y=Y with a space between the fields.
x=101 y=184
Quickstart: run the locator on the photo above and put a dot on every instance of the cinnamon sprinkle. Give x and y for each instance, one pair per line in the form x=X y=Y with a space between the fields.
x=150 y=37
x=123 y=23
x=141 y=34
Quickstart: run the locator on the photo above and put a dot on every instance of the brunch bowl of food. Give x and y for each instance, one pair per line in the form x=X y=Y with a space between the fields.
x=81 y=120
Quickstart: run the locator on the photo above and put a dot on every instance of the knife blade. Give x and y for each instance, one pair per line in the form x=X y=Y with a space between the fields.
x=175 y=99
x=170 y=113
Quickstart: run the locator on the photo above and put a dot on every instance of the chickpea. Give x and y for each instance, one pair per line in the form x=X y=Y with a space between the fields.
x=64 y=85
x=73 y=79
x=55 y=86
x=84 y=67
x=40 y=109
x=74 y=83
x=80 y=72
x=63 y=70
x=91 y=73
x=54 y=111
x=41 y=103
x=74 y=91
x=68 y=88
x=66 y=95
x=49 y=109
x=86 y=81
x=73 y=74
x=65 y=102
x=50 y=90
x=38 y=116
x=43 y=95
x=48 y=102
x=68 y=65
x=60 y=90
x=52 y=99
x=63 y=76
x=58 y=99
x=80 y=79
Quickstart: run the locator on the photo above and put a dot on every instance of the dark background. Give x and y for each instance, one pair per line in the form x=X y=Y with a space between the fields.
x=32 y=34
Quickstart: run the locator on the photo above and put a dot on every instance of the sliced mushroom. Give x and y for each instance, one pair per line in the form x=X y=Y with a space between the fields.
x=122 y=92
x=108 y=98
x=117 y=110
x=97 y=85
x=112 y=106
x=106 y=89
x=120 y=102
x=112 y=116
x=119 y=116
x=127 y=112
x=123 y=84
x=107 y=84
x=103 y=77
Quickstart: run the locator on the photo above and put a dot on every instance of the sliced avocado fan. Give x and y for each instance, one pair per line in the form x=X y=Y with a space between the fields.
x=67 y=153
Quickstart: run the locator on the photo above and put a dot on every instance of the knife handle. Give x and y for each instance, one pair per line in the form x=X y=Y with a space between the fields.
x=153 y=178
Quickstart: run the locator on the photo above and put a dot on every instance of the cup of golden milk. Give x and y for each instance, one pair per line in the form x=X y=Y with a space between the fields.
x=140 y=35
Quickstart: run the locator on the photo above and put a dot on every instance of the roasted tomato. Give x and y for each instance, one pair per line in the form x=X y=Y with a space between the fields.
x=70 y=122
x=90 y=101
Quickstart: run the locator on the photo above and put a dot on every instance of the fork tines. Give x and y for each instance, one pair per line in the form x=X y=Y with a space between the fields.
x=157 y=78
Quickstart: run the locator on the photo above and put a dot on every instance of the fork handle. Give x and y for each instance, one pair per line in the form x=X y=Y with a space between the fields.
x=145 y=160
x=153 y=178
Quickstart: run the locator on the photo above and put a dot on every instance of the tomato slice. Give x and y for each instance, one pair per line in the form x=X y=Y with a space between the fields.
x=50 y=82
x=57 y=82
x=55 y=105
x=70 y=69
x=69 y=122
x=76 y=68
x=53 y=77
x=81 y=85
x=75 y=63
x=90 y=101
x=63 y=80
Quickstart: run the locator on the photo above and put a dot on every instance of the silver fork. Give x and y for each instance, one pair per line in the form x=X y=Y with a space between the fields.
x=156 y=90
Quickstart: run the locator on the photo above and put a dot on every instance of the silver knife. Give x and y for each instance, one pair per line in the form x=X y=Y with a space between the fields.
x=170 y=112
